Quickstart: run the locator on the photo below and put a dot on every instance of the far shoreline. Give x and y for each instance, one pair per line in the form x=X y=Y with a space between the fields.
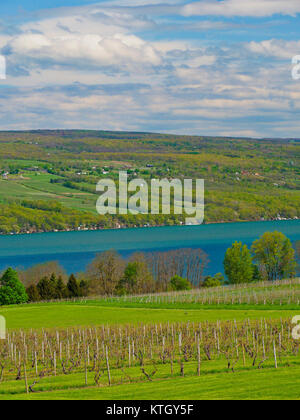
x=145 y=227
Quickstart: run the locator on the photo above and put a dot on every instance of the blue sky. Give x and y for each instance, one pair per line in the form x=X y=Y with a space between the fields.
x=208 y=67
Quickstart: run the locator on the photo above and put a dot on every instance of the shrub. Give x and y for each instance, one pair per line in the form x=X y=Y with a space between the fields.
x=178 y=283
x=216 y=281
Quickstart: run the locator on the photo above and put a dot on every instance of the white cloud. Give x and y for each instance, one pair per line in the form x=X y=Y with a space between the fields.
x=255 y=8
x=202 y=60
x=118 y=49
x=97 y=37
x=275 y=48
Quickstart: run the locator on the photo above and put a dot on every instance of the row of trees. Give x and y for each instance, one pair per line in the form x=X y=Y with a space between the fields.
x=12 y=290
x=144 y=272
x=51 y=288
x=272 y=257
x=110 y=274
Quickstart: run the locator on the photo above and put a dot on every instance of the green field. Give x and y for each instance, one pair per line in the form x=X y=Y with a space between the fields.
x=92 y=314
x=38 y=187
x=271 y=384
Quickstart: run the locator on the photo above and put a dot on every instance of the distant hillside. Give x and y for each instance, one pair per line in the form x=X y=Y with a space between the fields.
x=246 y=179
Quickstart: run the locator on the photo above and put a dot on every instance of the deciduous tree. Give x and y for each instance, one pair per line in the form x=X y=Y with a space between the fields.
x=275 y=256
x=105 y=272
x=238 y=264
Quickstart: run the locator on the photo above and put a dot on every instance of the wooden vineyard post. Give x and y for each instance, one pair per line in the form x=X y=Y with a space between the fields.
x=129 y=354
x=107 y=365
x=179 y=342
x=85 y=366
x=54 y=363
x=36 y=363
x=275 y=356
x=84 y=355
x=25 y=376
x=181 y=367
x=133 y=354
x=198 y=356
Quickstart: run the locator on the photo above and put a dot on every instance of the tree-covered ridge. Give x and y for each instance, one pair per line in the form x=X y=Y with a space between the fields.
x=32 y=217
x=246 y=179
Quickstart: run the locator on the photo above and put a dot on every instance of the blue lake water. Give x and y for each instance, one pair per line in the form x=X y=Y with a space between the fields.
x=74 y=250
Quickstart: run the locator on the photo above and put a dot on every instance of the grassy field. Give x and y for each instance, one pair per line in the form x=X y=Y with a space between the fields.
x=260 y=300
x=271 y=384
x=92 y=314
x=38 y=187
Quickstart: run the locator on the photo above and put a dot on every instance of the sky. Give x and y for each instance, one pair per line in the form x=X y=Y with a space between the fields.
x=208 y=67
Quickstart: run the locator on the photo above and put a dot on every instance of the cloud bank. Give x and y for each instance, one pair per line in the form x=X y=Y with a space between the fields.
x=253 y=8
x=152 y=66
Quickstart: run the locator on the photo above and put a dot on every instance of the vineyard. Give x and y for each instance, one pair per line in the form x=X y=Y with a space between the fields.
x=278 y=293
x=283 y=292
x=37 y=361
x=235 y=341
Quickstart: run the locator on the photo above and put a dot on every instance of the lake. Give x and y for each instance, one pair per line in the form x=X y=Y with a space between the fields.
x=74 y=250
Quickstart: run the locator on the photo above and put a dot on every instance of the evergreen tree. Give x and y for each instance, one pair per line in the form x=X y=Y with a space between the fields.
x=33 y=293
x=73 y=287
x=53 y=284
x=12 y=290
x=84 y=288
x=46 y=289
x=61 y=290
x=238 y=264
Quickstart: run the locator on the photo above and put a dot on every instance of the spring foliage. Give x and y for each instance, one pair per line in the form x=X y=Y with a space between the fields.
x=238 y=264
